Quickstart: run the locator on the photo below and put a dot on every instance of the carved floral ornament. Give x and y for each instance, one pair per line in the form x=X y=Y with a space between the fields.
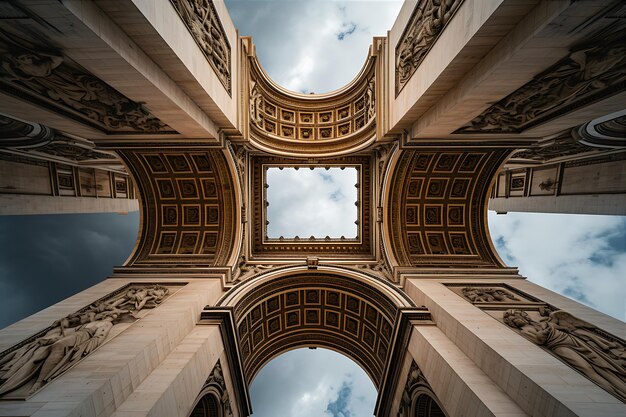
x=37 y=361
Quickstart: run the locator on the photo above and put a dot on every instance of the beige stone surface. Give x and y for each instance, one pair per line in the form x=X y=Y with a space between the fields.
x=463 y=388
x=15 y=204
x=105 y=379
x=538 y=382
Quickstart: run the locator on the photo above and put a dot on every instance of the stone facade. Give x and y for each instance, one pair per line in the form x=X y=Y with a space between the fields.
x=441 y=118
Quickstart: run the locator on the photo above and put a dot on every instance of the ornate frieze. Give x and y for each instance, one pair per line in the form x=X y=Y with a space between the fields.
x=46 y=77
x=296 y=124
x=562 y=146
x=38 y=360
x=205 y=27
x=428 y=20
x=74 y=150
x=590 y=72
x=591 y=351
x=437 y=208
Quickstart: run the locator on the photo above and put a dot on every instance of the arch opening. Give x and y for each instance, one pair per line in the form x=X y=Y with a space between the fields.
x=313 y=382
x=345 y=311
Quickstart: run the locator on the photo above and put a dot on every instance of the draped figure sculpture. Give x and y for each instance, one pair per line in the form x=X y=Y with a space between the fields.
x=575 y=342
x=71 y=338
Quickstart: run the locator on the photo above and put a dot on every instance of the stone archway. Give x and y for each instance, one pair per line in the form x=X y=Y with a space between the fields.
x=332 y=307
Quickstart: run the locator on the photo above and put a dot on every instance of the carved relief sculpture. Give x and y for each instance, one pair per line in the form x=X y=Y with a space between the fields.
x=46 y=77
x=215 y=386
x=73 y=150
x=244 y=270
x=487 y=295
x=428 y=20
x=205 y=27
x=42 y=358
x=597 y=355
x=417 y=386
x=587 y=73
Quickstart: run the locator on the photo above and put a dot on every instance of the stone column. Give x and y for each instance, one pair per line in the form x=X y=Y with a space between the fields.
x=537 y=381
x=162 y=358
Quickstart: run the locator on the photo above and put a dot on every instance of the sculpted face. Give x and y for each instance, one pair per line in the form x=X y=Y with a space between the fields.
x=516 y=318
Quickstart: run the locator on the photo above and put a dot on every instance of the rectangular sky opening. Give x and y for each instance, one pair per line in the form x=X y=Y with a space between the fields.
x=305 y=202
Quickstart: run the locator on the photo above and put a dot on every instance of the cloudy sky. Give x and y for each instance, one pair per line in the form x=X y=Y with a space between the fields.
x=44 y=259
x=308 y=46
x=313 y=46
x=312 y=202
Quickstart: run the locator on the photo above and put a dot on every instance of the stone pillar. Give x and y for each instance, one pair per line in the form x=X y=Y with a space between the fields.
x=473 y=355
x=155 y=365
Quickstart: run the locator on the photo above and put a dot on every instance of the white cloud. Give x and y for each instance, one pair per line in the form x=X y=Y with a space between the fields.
x=303 y=382
x=307 y=202
x=313 y=46
x=582 y=257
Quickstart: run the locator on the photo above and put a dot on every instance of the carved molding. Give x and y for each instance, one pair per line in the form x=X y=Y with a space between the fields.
x=16 y=133
x=428 y=20
x=205 y=27
x=30 y=365
x=562 y=146
x=287 y=123
x=592 y=71
x=44 y=76
x=298 y=247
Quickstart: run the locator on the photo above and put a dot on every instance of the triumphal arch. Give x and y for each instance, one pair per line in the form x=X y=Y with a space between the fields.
x=465 y=104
